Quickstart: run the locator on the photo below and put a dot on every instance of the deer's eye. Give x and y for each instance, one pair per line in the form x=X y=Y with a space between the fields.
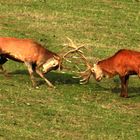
x=55 y=63
x=92 y=70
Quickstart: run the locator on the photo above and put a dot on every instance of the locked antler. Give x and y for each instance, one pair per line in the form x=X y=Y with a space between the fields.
x=85 y=75
x=74 y=48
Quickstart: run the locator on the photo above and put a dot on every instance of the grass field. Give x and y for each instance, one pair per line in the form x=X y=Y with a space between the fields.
x=71 y=111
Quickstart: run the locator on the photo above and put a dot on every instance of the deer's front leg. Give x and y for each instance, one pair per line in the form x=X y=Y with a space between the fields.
x=42 y=76
x=124 y=86
x=31 y=72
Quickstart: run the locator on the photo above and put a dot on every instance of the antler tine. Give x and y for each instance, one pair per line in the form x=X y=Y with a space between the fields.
x=79 y=51
x=85 y=60
x=72 y=44
x=85 y=75
x=75 y=48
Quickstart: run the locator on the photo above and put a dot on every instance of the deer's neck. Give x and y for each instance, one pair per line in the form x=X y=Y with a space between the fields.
x=107 y=67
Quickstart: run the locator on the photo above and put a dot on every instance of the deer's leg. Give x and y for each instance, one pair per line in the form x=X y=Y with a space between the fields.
x=2 y=61
x=124 y=86
x=2 y=69
x=42 y=76
x=31 y=72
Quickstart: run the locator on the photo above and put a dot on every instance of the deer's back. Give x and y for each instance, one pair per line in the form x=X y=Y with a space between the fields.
x=23 y=49
x=122 y=62
x=126 y=62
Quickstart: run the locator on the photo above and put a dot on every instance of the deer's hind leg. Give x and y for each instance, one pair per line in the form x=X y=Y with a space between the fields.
x=2 y=61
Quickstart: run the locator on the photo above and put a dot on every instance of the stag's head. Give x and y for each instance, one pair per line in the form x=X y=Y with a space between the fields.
x=97 y=72
x=51 y=64
x=56 y=62
x=94 y=70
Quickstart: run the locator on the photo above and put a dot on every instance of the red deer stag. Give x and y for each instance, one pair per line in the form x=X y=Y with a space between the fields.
x=123 y=63
x=37 y=58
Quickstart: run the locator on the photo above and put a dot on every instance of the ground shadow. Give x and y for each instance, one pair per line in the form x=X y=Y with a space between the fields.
x=116 y=89
x=65 y=78
x=54 y=77
x=132 y=91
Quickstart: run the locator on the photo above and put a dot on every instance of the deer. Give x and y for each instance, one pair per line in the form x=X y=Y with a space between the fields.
x=123 y=63
x=36 y=58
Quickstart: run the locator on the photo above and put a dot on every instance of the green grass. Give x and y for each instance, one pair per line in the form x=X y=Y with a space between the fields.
x=71 y=111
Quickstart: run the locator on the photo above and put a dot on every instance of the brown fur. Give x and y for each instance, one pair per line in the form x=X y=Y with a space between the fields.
x=26 y=49
x=123 y=63
x=29 y=52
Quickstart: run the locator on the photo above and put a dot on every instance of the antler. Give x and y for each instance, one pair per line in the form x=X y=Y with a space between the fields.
x=85 y=75
x=75 y=48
